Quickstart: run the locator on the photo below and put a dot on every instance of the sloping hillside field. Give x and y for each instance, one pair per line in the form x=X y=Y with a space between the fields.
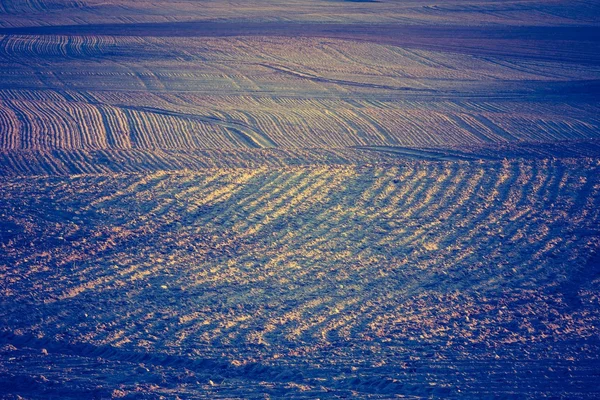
x=299 y=199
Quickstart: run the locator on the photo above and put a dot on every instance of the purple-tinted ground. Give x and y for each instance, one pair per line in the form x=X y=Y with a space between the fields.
x=300 y=199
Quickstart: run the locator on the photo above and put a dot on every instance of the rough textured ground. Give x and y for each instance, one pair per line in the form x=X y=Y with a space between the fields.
x=303 y=199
